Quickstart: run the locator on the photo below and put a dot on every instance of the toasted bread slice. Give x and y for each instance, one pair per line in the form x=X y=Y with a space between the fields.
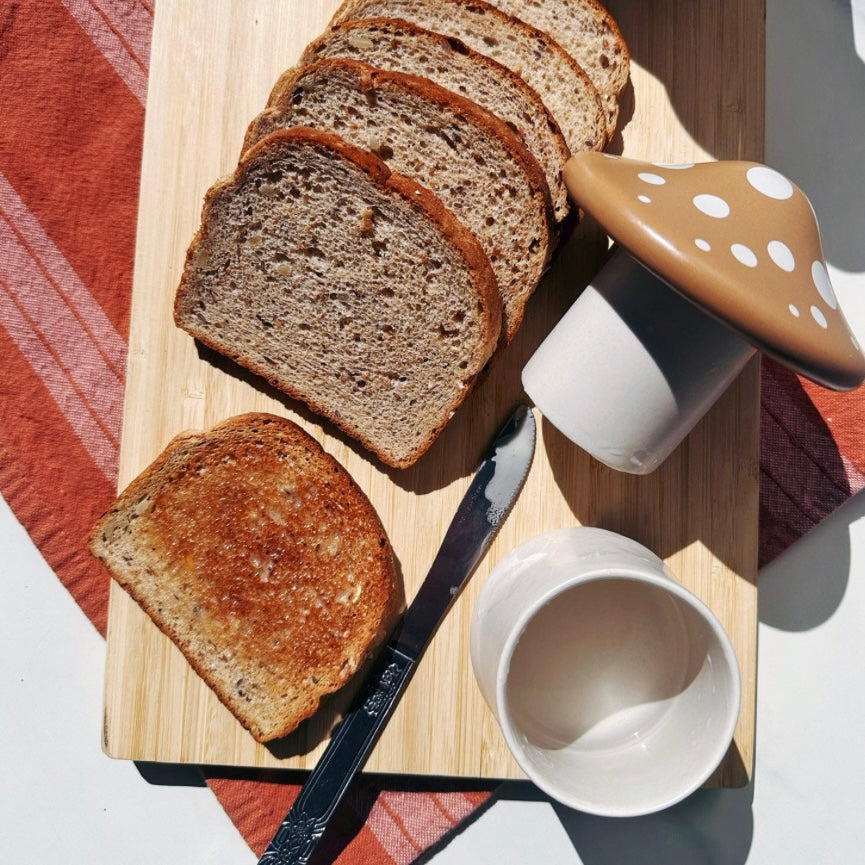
x=259 y=556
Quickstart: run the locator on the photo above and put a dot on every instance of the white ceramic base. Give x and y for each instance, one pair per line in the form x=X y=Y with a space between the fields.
x=631 y=368
x=616 y=689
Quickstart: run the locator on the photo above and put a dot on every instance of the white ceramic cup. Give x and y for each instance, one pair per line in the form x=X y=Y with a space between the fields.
x=631 y=368
x=616 y=688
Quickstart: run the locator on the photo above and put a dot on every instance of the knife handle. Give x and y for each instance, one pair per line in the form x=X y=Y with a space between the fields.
x=300 y=832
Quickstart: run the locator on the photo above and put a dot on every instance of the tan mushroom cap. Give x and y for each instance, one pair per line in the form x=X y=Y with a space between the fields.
x=737 y=239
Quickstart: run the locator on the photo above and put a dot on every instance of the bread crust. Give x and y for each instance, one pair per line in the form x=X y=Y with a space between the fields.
x=214 y=541
x=417 y=197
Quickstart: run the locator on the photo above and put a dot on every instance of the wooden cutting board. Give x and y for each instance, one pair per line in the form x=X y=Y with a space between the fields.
x=697 y=93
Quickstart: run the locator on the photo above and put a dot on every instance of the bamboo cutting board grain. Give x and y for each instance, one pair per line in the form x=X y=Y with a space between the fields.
x=697 y=94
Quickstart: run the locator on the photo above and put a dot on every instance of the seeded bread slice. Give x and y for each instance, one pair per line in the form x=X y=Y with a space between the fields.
x=473 y=161
x=389 y=43
x=260 y=557
x=563 y=85
x=347 y=286
x=587 y=31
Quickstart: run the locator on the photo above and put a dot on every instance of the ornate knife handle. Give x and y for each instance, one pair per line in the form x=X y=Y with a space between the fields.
x=297 y=837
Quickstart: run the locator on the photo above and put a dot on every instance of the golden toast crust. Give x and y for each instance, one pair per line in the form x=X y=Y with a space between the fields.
x=259 y=556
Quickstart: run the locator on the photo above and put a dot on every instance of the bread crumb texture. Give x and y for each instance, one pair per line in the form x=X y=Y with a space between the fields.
x=401 y=46
x=535 y=54
x=312 y=269
x=472 y=161
x=260 y=557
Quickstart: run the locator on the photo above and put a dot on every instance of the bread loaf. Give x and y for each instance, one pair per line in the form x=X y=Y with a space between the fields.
x=474 y=162
x=346 y=286
x=402 y=46
x=563 y=85
x=259 y=556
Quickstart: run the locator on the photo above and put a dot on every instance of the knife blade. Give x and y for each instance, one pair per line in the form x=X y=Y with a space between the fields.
x=484 y=507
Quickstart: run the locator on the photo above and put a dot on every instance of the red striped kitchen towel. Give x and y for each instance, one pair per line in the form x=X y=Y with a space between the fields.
x=73 y=76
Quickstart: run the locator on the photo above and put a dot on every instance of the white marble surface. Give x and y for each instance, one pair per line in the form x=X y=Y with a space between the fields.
x=63 y=800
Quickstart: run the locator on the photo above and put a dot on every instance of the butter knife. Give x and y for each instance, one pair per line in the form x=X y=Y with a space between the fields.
x=487 y=502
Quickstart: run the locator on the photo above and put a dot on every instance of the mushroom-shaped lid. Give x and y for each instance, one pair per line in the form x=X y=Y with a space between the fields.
x=736 y=238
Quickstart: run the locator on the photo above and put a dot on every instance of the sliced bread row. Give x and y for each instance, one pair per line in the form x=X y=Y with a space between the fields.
x=454 y=106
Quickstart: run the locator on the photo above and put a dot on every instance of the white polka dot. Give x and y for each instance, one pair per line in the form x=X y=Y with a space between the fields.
x=817 y=313
x=703 y=244
x=781 y=255
x=744 y=255
x=769 y=182
x=712 y=205
x=654 y=179
x=824 y=286
x=677 y=166
x=794 y=310
x=645 y=199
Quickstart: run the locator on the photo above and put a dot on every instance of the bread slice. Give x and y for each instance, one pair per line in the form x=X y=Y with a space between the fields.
x=346 y=286
x=474 y=162
x=260 y=557
x=587 y=31
x=563 y=85
x=389 y=43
